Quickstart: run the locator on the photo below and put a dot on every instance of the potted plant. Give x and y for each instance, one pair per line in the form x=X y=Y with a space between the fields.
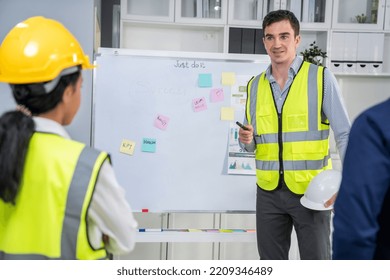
x=361 y=18
x=314 y=54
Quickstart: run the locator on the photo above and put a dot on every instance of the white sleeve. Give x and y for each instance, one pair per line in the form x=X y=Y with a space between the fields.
x=110 y=214
x=336 y=112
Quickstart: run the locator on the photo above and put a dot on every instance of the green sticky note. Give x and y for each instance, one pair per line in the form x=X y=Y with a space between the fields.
x=149 y=145
x=242 y=88
x=205 y=80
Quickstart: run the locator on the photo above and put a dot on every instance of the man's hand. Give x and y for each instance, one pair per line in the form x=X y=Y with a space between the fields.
x=106 y=239
x=246 y=135
x=331 y=201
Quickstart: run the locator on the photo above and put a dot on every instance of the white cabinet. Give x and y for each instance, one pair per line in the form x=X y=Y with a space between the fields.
x=359 y=15
x=205 y=26
x=370 y=53
x=292 y=5
x=201 y=11
x=186 y=11
x=174 y=25
x=246 y=12
x=235 y=26
x=360 y=34
x=344 y=50
x=316 y=14
x=386 y=25
x=357 y=52
x=151 y=10
x=313 y=14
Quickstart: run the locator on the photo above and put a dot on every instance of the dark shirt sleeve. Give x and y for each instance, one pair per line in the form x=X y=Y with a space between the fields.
x=366 y=180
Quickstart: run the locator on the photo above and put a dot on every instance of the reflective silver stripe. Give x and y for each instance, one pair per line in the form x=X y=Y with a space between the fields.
x=293 y=136
x=258 y=139
x=267 y=165
x=306 y=164
x=313 y=97
x=253 y=101
x=293 y=165
x=76 y=196
x=5 y=256
x=74 y=205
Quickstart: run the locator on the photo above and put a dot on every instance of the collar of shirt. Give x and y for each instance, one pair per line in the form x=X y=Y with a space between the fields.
x=49 y=126
x=294 y=67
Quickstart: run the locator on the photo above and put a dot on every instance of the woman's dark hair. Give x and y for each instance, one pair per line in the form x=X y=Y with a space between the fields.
x=16 y=129
x=279 y=15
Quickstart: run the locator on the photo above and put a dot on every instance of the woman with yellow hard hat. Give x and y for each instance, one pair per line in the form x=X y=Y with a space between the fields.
x=59 y=199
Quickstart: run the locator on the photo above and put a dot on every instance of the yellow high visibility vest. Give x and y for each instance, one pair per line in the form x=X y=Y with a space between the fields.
x=49 y=218
x=293 y=145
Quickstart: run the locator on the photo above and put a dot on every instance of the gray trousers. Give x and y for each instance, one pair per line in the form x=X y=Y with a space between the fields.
x=276 y=213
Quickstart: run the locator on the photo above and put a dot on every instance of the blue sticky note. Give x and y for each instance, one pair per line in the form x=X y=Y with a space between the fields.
x=149 y=145
x=205 y=80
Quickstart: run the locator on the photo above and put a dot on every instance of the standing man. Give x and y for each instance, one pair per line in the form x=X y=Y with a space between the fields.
x=289 y=110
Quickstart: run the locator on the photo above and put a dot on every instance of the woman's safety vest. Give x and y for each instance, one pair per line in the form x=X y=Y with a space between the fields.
x=294 y=145
x=49 y=218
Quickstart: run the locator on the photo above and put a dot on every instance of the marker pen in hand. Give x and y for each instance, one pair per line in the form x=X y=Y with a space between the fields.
x=242 y=126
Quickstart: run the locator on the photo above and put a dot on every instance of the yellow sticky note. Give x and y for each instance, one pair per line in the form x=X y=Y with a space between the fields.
x=227 y=114
x=127 y=147
x=194 y=230
x=228 y=78
x=225 y=230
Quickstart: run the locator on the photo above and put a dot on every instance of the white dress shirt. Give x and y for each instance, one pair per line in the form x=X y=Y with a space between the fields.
x=109 y=212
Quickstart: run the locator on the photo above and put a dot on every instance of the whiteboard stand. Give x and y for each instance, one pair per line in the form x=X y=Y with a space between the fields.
x=193 y=237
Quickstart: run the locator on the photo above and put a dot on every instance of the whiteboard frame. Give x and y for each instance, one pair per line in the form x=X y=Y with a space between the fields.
x=241 y=58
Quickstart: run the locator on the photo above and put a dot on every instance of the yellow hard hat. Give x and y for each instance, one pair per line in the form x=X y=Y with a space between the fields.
x=38 y=50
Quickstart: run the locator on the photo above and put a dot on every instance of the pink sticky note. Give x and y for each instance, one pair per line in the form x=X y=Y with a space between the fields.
x=161 y=122
x=216 y=95
x=199 y=104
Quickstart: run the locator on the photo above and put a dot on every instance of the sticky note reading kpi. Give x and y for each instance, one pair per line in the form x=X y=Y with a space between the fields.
x=149 y=145
x=127 y=147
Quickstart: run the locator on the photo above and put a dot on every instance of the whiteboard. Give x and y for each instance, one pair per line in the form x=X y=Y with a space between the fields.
x=187 y=172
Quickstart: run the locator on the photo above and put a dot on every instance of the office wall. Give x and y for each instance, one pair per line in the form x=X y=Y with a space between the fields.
x=78 y=17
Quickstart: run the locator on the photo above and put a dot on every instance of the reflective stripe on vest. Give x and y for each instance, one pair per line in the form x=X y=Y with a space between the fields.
x=296 y=146
x=78 y=196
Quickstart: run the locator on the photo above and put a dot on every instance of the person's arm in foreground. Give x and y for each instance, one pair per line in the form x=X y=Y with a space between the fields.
x=364 y=185
x=111 y=215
